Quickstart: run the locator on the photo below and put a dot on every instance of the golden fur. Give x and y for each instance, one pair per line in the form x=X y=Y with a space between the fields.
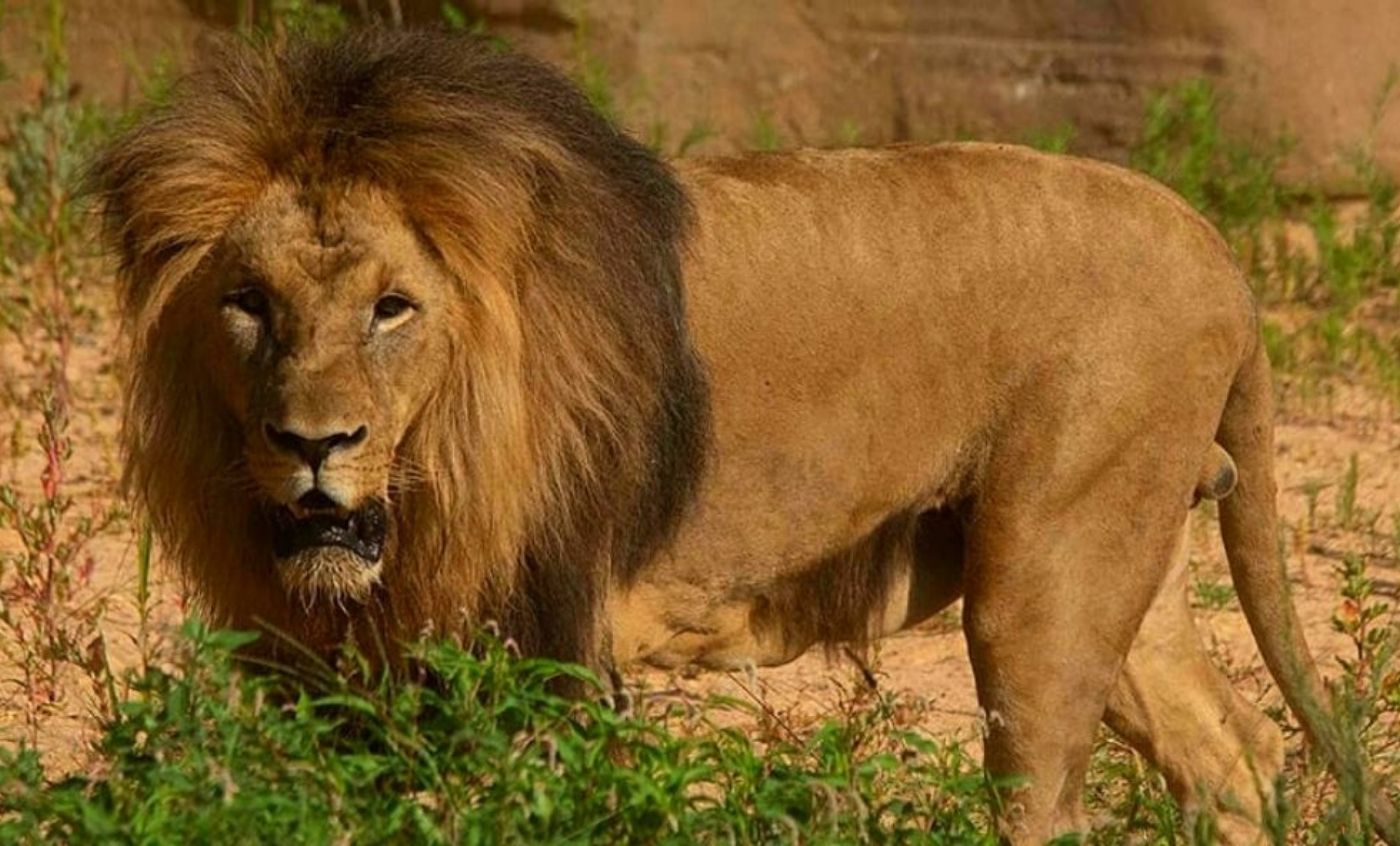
x=912 y=375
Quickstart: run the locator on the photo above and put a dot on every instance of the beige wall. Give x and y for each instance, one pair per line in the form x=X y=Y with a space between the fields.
x=824 y=71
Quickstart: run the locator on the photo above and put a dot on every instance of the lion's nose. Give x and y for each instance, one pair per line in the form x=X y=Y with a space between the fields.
x=313 y=450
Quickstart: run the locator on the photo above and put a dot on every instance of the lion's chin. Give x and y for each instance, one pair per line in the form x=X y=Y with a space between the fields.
x=329 y=554
x=328 y=574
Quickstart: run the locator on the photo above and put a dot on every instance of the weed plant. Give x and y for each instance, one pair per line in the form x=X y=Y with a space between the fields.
x=50 y=618
x=474 y=749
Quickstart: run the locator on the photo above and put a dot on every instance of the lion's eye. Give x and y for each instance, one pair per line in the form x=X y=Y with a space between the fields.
x=251 y=301
x=391 y=309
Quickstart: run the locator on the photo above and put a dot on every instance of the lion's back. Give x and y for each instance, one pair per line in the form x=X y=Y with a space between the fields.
x=990 y=255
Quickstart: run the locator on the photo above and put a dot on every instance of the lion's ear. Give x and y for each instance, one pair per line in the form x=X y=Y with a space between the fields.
x=169 y=185
x=165 y=193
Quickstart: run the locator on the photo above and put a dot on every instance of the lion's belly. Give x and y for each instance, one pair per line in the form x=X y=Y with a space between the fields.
x=903 y=572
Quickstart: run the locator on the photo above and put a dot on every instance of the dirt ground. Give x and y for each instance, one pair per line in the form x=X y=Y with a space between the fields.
x=1316 y=437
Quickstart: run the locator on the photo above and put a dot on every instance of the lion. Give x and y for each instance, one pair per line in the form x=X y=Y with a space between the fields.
x=419 y=341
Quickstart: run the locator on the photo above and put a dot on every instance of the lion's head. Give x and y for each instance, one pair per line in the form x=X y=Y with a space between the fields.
x=407 y=342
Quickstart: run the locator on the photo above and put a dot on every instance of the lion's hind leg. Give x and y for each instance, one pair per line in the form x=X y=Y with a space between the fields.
x=1219 y=753
x=1056 y=589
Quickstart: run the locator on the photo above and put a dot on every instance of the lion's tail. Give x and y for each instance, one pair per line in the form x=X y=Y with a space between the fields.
x=1249 y=521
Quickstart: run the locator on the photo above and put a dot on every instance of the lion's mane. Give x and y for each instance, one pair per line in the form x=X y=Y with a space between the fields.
x=570 y=438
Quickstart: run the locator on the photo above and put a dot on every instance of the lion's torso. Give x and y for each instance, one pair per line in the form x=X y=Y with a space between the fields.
x=883 y=332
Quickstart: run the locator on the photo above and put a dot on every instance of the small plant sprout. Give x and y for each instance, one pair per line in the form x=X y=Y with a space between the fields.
x=1346 y=495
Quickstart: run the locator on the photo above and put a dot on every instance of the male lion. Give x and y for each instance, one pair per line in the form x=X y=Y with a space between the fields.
x=419 y=341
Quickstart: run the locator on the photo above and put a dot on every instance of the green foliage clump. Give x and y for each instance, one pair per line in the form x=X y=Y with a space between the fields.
x=476 y=750
x=1234 y=183
x=306 y=18
x=1053 y=139
x=48 y=141
x=766 y=138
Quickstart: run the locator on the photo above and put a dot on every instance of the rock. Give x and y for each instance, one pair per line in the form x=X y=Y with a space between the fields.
x=739 y=74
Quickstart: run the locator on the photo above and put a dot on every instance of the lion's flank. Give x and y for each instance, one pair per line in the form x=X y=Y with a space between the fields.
x=571 y=436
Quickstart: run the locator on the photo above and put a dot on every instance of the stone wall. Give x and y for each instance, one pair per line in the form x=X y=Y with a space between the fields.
x=835 y=71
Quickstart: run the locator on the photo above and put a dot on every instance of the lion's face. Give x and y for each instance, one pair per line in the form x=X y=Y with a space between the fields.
x=328 y=332
x=400 y=302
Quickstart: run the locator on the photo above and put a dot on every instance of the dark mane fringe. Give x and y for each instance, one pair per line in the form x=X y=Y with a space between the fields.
x=572 y=436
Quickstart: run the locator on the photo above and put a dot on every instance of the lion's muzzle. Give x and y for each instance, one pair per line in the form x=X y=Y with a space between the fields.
x=329 y=553
x=361 y=532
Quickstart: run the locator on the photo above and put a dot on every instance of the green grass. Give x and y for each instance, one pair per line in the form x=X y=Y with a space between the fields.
x=765 y=136
x=306 y=17
x=1233 y=181
x=1213 y=594
x=476 y=749
x=1346 y=494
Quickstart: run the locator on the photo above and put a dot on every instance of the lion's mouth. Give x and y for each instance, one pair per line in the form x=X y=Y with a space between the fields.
x=362 y=532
